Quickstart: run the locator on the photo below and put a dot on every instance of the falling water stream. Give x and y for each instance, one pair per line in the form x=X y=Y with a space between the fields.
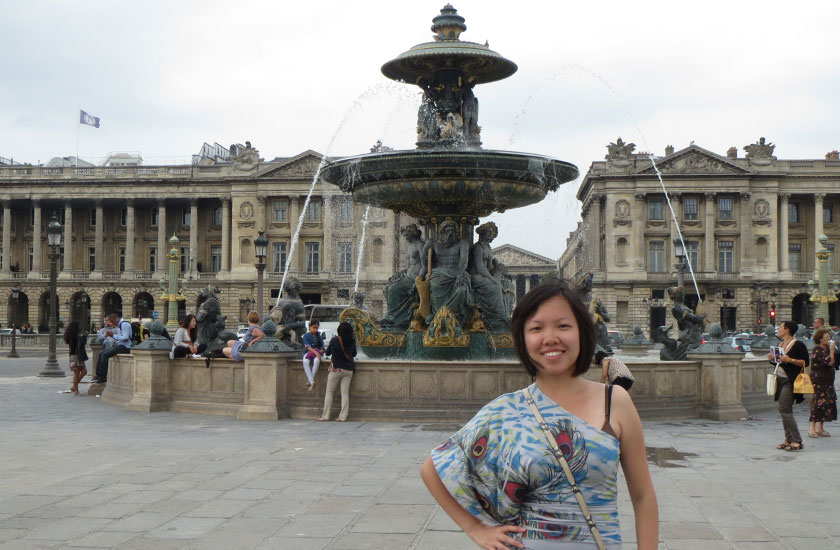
x=361 y=248
x=563 y=70
x=370 y=93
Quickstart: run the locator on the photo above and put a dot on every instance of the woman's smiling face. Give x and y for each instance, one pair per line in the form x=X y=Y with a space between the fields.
x=552 y=338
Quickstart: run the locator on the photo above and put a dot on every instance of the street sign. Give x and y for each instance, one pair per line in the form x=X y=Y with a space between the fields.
x=154 y=314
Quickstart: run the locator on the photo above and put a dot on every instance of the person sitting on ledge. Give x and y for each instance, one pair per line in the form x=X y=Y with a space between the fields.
x=254 y=335
x=120 y=332
x=185 y=336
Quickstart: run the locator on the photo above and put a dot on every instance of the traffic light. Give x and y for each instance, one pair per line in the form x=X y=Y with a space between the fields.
x=759 y=321
x=772 y=313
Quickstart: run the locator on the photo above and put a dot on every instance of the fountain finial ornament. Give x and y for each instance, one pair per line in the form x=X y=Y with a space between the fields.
x=448 y=25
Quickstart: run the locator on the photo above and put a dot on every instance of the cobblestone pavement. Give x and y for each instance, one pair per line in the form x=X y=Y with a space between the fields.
x=78 y=472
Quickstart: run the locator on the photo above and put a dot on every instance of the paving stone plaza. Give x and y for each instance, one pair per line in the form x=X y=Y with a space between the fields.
x=78 y=472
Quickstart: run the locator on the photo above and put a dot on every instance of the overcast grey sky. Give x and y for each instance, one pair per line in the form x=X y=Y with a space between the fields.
x=166 y=76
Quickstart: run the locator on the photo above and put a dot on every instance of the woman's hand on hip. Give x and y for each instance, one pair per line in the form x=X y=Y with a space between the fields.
x=495 y=537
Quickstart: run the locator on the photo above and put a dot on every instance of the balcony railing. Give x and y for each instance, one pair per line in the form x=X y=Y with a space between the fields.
x=111 y=275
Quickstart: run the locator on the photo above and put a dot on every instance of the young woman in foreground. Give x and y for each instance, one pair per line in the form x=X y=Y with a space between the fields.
x=498 y=477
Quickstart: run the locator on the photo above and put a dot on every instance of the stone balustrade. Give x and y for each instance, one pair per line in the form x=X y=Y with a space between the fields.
x=270 y=386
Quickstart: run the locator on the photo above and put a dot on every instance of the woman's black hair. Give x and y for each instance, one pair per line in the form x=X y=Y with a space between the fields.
x=72 y=332
x=600 y=355
x=527 y=308
x=186 y=324
x=791 y=327
x=345 y=332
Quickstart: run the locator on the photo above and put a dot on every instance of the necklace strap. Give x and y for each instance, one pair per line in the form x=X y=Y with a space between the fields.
x=567 y=471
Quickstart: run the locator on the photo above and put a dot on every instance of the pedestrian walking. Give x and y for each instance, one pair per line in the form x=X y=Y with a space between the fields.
x=76 y=342
x=824 y=400
x=792 y=360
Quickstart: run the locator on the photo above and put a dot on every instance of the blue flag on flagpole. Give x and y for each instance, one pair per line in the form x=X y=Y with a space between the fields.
x=90 y=120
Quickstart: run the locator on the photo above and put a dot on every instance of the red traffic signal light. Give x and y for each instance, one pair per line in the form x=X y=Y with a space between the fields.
x=772 y=313
x=759 y=321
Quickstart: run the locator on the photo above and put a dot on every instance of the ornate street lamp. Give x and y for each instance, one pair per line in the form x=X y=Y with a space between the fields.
x=260 y=246
x=13 y=354
x=54 y=231
x=171 y=293
x=820 y=293
x=679 y=252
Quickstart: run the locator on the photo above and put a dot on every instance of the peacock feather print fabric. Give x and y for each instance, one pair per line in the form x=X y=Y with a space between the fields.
x=500 y=468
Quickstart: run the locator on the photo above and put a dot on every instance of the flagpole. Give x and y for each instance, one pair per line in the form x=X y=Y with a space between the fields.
x=78 y=125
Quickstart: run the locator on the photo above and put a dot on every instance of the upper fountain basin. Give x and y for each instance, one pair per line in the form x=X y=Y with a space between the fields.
x=424 y=60
x=439 y=182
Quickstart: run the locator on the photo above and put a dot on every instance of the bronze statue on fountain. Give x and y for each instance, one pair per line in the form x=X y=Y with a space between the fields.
x=453 y=300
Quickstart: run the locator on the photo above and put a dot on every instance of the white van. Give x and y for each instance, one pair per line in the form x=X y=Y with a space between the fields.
x=327 y=315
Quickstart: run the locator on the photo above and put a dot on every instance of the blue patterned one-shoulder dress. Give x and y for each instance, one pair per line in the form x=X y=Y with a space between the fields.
x=500 y=468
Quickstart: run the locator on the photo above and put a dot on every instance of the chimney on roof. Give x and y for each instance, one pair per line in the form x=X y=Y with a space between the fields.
x=732 y=153
x=669 y=150
x=833 y=155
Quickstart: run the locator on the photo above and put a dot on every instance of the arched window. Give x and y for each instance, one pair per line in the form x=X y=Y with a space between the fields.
x=621 y=251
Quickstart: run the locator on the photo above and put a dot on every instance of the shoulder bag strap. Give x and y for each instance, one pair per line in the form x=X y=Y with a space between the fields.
x=566 y=470
x=344 y=351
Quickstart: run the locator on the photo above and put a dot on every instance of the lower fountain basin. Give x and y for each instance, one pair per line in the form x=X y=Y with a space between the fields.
x=449 y=182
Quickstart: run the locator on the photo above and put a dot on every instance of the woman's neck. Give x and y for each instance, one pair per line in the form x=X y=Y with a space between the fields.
x=787 y=339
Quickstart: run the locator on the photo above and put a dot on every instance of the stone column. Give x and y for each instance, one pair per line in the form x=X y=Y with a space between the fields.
x=7 y=237
x=709 y=244
x=226 y=235
x=68 y=239
x=36 y=237
x=640 y=220
x=161 y=241
x=818 y=230
x=594 y=208
x=784 y=260
x=329 y=263
x=720 y=385
x=294 y=215
x=747 y=258
x=129 y=238
x=99 y=238
x=193 y=267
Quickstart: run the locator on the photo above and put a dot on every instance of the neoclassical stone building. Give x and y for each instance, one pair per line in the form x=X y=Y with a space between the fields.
x=118 y=221
x=750 y=227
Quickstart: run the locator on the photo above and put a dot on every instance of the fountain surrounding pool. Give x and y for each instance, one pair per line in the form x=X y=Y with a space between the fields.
x=453 y=288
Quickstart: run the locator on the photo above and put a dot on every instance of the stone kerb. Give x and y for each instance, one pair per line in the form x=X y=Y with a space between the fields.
x=720 y=386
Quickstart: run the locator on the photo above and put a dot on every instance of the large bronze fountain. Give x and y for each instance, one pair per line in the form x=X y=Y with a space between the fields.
x=450 y=302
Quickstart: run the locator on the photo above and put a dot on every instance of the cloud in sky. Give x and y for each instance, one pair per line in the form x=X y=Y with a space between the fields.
x=167 y=76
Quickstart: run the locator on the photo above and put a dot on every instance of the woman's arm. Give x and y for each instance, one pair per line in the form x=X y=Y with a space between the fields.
x=636 y=472
x=258 y=335
x=489 y=537
x=605 y=368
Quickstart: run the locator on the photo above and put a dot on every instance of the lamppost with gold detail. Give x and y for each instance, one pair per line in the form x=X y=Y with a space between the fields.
x=820 y=294
x=54 y=230
x=171 y=293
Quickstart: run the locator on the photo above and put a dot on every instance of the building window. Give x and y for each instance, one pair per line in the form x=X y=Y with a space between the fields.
x=61 y=258
x=92 y=217
x=795 y=257
x=345 y=257
x=31 y=257
x=32 y=217
x=657 y=294
x=726 y=256
x=793 y=212
x=185 y=259
x=91 y=258
x=278 y=258
x=153 y=251
x=692 y=254
x=153 y=222
x=216 y=258
x=656 y=256
x=313 y=211
x=217 y=216
x=313 y=252
x=727 y=293
x=622 y=312
x=122 y=259
x=828 y=213
x=343 y=294
x=346 y=210
x=832 y=263
x=690 y=208
x=124 y=217
x=185 y=217
x=281 y=211
x=725 y=209
x=655 y=209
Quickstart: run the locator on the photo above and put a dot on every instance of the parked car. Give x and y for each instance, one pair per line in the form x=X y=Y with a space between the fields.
x=9 y=331
x=740 y=342
x=615 y=338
